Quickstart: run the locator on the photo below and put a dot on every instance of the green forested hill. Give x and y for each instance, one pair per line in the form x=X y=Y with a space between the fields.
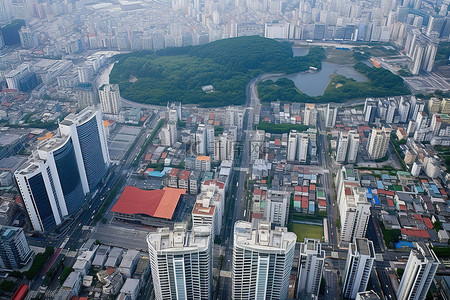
x=177 y=74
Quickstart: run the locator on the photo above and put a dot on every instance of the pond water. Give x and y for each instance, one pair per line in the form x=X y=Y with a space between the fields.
x=314 y=84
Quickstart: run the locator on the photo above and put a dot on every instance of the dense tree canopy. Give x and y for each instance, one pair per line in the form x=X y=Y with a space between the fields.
x=177 y=74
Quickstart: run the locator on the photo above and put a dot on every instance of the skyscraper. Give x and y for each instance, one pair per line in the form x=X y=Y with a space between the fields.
x=262 y=261
x=181 y=262
x=64 y=169
x=342 y=145
x=110 y=98
x=353 y=146
x=330 y=120
x=310 y=268
x=358 y=266
x=354 y=210
x=379 y=142
x=302 y=144
x=27 y=38
x=419 y=273
x=292 y=145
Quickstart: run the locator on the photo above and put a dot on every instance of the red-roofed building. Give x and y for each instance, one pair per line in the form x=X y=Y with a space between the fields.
x=390 y=203
x=183 y=180
x=277 y=142
x=415 y=234
x=148 y=207
x=173 y=178
x=312 y=187
x=428 y=223
x=148 y=157
x=322 y=205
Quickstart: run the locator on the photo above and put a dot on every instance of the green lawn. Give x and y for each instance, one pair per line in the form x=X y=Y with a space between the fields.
x=306 y=231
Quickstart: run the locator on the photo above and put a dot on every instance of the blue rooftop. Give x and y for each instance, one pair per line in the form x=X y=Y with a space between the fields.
x=403 y=244
x=376 y=201
x=380 y=185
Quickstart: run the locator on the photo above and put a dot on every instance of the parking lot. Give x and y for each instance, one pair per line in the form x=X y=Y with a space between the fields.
x=121 y=140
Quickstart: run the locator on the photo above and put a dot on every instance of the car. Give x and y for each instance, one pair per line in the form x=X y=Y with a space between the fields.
x=329 y=285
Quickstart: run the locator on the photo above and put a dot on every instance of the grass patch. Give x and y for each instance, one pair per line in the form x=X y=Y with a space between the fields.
x=306 y=231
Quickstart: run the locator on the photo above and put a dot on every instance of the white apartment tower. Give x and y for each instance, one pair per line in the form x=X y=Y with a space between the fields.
x=302 y=145
x=210 y=140
x=379 y=142
x=354 y=210
x=311 y=265
x=419 y=273
x=341 y=150
x=292 y=145
x=358 y=266
x=262 y=261
x=200 y=143
x=110 y=98
x=310 y=115
x=181 y=262
x=353 y=146
x=330 y=120
x=277 y=207
x=224 y=147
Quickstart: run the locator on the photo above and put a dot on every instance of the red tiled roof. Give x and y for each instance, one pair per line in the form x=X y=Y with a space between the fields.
x=148 y=156
x=215 y=182
x=312 y=187
x=257 y=216
x=385 y=192
x=277 y=142
x=304 y=203
x=416 y=232
x=390 y=202
x=173 y=172
x=297 y=198
x=184 y=175
x=298 y=188
x=417 y=217
x=258 y=192
x=155 y=203
x=164 y=155
x=428 y=223
x=322 y=202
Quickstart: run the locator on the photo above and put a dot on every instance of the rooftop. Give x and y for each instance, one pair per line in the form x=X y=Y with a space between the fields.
x=154 y=203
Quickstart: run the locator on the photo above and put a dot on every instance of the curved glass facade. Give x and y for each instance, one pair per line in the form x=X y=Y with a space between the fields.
x=69 y=176
x=91 y=149
x=42 y=202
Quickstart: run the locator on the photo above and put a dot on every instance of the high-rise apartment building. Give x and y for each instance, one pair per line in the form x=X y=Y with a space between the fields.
x=292 y=145
x=358 y=266
x=331 y=113
x=434 y=105
x=445 y=109
x=310 y=115
x=262 y=261
x=27 y=38
x=109 y=95
x=224 y=147
x=342 y=145
x=379 y=142
x=353 y=146
x=312 y=259
x=277 y=207
x=64 y=169
x=302 y=145
x=85 y=94
x=419 y=273
x=14 y=250
x=181 y=262
x=200 y=140
x=354 y=210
